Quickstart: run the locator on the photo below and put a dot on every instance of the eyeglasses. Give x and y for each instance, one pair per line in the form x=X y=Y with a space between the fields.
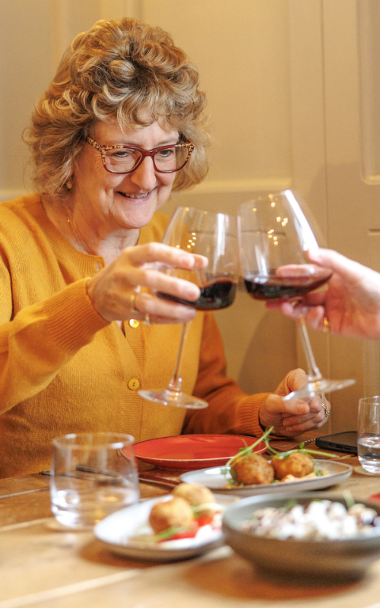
x=125 y=159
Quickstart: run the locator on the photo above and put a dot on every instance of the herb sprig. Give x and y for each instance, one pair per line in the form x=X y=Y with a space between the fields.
x=243 y=452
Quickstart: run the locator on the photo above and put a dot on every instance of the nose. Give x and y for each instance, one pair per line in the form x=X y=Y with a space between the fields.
x=145 y=176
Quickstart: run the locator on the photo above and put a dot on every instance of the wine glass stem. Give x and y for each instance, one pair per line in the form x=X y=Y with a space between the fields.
x=176 y=381
x=312 y=369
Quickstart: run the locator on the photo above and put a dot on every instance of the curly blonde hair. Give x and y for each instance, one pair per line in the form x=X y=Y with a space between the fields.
x=118 y=70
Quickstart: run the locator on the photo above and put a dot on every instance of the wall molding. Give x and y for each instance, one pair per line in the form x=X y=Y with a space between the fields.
x=7 y=194
x=207 y=187
x=242 y=185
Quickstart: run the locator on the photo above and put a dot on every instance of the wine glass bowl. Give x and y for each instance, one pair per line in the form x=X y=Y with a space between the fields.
x=275 y=235
x=214 y=236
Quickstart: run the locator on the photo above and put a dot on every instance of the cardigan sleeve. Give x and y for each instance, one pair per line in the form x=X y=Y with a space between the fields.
x=41 y=339
x=230 y=410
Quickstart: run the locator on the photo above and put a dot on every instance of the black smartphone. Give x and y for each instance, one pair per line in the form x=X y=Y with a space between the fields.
x=339 y=442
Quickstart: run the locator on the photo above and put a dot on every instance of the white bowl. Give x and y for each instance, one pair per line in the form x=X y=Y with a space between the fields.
x=316 y=559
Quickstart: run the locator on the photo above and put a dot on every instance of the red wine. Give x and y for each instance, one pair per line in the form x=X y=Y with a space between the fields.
x=218 y=294
x=284 y=288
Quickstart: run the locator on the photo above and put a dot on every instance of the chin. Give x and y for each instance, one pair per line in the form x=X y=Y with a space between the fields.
x=138 y=219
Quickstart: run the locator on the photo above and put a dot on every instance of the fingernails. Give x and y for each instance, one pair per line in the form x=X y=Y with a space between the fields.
x=302 y=408
x=192 y=293
x=187 y=313
x=186 y=260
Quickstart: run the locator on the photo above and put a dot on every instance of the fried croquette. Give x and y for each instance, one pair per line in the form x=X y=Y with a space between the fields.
x=252 y=469
x=196 y=495
x=296 y=464
x=174 y=513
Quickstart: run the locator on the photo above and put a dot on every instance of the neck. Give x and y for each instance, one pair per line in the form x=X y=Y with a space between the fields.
x=90 y=239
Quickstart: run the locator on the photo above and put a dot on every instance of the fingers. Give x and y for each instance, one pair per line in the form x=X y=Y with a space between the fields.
x=161 y=311
x=293 y=417
x=313 y=316
x=273 y=408
x=315 y=418
x=296 y=407
x=113 y=290
x=293 y=380
x=335 y=261
x=158 y=281
x=296 y=270
x=171 y=256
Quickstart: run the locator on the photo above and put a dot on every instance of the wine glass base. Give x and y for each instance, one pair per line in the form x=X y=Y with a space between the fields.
x=319 y=386
x=174 y=398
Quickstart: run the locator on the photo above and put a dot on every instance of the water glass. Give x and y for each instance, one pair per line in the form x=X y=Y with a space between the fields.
x=92 y=475
x=369 y=434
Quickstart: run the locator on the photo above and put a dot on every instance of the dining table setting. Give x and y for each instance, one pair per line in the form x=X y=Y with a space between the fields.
x=47 y=564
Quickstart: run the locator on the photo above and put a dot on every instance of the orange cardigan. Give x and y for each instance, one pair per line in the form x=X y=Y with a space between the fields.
x=63 y=369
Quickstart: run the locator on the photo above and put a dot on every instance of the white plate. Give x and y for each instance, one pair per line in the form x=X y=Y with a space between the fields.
x=116 y=531
x=213 y=479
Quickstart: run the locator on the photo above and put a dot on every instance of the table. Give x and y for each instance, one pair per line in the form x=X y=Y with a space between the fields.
x=43 y=566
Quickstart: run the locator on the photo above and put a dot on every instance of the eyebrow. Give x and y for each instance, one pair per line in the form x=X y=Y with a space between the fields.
x=170 y=142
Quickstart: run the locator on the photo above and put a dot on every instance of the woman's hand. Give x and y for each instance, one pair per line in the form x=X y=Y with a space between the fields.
x=350 y=305
x=115 y=290
x=294 y=417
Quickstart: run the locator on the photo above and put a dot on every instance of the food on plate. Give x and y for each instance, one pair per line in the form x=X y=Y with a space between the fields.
x=252 y=469
x=174 y=513
x=190 y=512
x=197 y=496
x=248 y=468
x=297 y=464
x=317 y=520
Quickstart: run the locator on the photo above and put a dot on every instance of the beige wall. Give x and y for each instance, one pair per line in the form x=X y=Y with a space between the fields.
x=283 y=89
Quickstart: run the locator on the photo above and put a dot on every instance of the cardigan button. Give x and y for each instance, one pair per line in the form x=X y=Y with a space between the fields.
x=134 y=323
x=133 y=384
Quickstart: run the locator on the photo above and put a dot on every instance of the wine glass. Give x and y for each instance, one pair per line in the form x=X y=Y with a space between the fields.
x=274 y=235
x=213 y=235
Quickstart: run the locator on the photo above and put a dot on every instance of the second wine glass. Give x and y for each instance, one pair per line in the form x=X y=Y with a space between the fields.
x=213 y=235
x=275 y=235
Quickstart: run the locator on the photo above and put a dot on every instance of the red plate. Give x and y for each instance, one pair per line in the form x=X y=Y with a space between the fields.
x=193 y=451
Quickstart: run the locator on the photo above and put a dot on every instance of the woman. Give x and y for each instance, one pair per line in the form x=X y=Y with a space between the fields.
x=78 y=258
x=350 y=305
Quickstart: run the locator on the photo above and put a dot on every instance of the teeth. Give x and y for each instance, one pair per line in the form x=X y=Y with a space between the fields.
x=135 y=196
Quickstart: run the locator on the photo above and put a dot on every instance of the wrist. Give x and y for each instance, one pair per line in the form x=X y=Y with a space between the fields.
x=90 y=291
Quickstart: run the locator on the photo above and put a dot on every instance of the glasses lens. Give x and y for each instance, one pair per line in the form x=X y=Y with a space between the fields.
x=122 y=160
x=171 y=159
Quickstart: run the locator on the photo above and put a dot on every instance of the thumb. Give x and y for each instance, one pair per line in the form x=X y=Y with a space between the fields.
x=334 y=260
x=275 y=405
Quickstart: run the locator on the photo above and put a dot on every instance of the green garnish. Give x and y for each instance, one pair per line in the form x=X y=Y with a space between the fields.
x=348 y=498
x=290 y=504
x=247 y=451
x=242 y=453
x=282 y=455
x=160 y=536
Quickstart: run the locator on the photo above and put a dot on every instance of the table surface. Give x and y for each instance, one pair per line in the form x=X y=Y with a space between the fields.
x=43 y=565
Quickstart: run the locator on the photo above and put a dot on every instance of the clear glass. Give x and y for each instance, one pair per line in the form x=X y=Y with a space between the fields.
x=213 y=235
x=369 y=434
x=274 y=235
x=92 y=475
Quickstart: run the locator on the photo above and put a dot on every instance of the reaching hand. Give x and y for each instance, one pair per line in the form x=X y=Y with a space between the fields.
x=115 y=290
x=350 y=304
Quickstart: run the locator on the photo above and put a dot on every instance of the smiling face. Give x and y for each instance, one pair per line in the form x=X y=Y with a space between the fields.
x=110 y=202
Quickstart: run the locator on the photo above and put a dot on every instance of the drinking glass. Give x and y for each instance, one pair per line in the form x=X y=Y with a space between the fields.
x=369 y=434
x=274 y=236
x=92 y=475
x=213 y=235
